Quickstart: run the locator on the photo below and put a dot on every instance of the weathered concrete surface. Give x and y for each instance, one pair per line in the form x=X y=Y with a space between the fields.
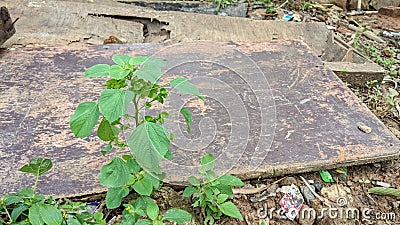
x=270 y=109
x=59 y=23
x=356 y=74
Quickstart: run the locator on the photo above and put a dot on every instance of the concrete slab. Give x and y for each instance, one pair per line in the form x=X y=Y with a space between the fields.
x=60 y=23
x=270 y=109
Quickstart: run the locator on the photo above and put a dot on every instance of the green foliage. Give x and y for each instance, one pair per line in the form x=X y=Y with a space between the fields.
x=27 y=207
x=212 y=194
x=143 y=210
x=37 y=166
x=380 y=104
x=132 y=81
x=385 y=57
x=270 y=7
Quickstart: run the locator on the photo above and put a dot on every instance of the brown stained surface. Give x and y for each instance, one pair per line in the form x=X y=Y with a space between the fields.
x=270 y=109
x=60 y=23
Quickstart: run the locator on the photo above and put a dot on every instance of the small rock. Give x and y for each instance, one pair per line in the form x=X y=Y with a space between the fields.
x=288 y=181
x=384 y=168
x=272 y=190
x=307 y=194
x=396 y=205
x=393 y=92
x=356 y=179
x=317 y=186
x=364 y=128
x=382 y=184
x=321 y=18
x=377 y=165
x=284 y=189
x=258 y=14
x=350 y=183
x=316 y=203
x=305 y=217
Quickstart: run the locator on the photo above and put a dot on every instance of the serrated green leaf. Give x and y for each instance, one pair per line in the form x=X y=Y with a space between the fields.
x=26 y=192
x=230 y=180
x=115 y=195
x=138 y=60
x=121 y=60
x=114 y=174
x=150 y=70
x=99 y=70
x=51 y=215
x=34 y=215
x=98 y=216
x=143 y=222
x=188 y=117
x=73 y=221
x=168 y=155
x=222 y=198
x=106 y=131
x=113 y=103
x=37 y=166
x=207 y=162
x=42 y=213
x=189 y=191
x=17 y=211
x=193 y=181
x=84 y=119
x=10 y=199
x=143 y=187
x=229 y=209
x=142 y=202
x=156 y=182
x=177 y=215
x=149 y=143
x=185 y=87
x=133 y=166
x=225 y=189
x=118 y=72
x=152 y=211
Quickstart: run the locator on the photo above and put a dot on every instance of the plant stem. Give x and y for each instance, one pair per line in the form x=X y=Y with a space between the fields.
x=35 y=185
x=8 y=214
x=135 y=103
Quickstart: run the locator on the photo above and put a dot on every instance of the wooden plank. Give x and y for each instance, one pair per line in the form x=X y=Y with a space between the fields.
x=81 y=21
x=271 y=109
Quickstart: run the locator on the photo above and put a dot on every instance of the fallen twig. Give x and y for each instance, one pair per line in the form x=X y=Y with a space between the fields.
x=322 y=199
x=367 y=34
x=361 y=13
x=251 y=191
x=283 y=4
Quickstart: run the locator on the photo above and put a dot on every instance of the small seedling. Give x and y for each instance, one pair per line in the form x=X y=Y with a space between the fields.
x=211 y=194
x=270 y=7
x=28 y=207
x=143 y=211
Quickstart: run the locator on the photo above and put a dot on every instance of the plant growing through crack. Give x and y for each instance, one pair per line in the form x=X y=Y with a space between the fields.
x=133 y=81
x=211 y=194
